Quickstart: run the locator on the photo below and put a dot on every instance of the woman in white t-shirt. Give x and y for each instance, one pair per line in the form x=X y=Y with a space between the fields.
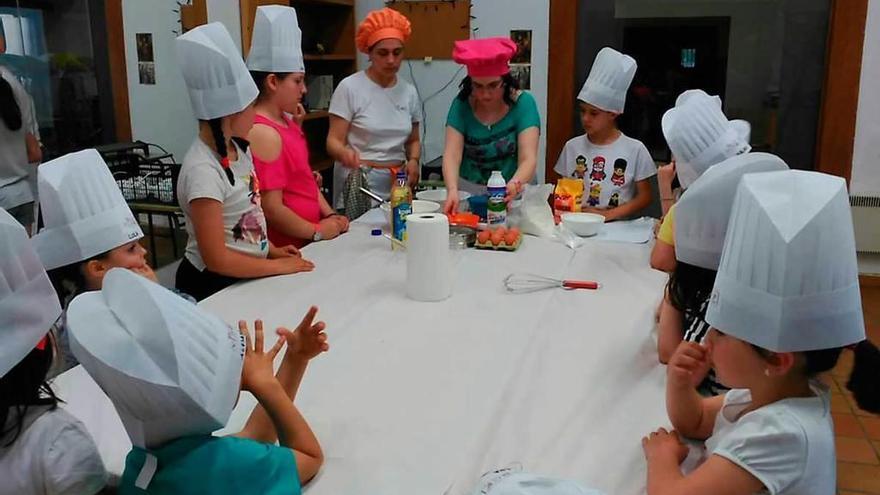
x=217 y=188
x=374 y=115
x=18 y=146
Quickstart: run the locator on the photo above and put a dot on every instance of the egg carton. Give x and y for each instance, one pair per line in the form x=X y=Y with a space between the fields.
x=500 y=247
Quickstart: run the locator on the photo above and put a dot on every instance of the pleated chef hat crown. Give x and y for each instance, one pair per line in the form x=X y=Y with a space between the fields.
x=276 y=45
x=700 y=135
x=170 y=368
x=83 y=210
x=609 y=80
x=702 y=213
x=788 y=278
x=218 y=81
x=28 y=302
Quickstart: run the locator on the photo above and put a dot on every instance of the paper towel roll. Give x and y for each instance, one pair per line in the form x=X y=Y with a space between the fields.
x=428 y=270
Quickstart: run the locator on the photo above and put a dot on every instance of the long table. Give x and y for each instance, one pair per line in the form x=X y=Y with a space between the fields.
x=426 y=397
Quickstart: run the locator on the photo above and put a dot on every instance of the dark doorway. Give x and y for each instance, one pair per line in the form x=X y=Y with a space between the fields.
x=674 y=54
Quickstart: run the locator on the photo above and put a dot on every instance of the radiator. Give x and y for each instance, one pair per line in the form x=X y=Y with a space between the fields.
x=866 y=222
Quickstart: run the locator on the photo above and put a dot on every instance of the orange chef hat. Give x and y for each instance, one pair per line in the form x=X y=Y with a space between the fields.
x=380 y=25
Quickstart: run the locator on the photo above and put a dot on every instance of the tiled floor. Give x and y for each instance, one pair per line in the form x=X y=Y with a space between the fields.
x=857 y=432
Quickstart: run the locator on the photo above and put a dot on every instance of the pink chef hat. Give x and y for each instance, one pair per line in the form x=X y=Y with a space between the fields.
x=486 y=57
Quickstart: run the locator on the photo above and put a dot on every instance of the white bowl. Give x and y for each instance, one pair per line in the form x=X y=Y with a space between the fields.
x=439 y=196
x=583 y=224
x=418 y=206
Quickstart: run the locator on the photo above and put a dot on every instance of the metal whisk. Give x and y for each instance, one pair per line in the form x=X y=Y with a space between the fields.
x=521 y=283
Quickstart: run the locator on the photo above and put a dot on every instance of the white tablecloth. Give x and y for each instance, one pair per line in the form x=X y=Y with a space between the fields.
x=425 y=397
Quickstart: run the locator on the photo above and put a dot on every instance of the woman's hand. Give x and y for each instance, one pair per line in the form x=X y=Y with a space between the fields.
x=257 y=372
x=351 y=158
x=514 y=187
x=307 y=340
x=450 y=206
x=663 y=444
x=413 y=174
x=330 y=228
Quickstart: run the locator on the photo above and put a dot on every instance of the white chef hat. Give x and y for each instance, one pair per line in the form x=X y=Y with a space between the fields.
x=276 y=45
x=609 y=80
x=702 y=213
x=218 y=81
x=700 y=135
x=689 y=94
x=28 y=302
x=170 y=368
x=788 y=279
x=509 y=482
x=83 y=210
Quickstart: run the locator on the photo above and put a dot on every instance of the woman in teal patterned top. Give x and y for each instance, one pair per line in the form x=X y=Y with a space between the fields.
x=492 y=124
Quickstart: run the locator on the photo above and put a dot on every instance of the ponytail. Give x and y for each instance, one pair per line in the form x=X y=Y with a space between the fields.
x=220 y=144
x=10 y=112
x=863 y=380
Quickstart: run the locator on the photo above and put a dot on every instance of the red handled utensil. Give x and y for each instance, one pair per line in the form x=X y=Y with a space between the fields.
x=520 y=283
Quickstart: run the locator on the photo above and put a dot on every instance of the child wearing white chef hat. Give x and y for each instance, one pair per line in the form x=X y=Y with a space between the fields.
x=88 y=230
x=699 y=136
x=296 y=211
x=615 y=168
x=699 y=232
x=217 y=188
x=43 y=449
x=173 y=373
x=785 y=304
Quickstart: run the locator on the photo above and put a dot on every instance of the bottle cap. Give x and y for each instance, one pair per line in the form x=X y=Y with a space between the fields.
x=376 y=232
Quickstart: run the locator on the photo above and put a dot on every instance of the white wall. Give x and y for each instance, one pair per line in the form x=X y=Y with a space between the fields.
x=160 y=113
x=494 y=18
x=866 y=154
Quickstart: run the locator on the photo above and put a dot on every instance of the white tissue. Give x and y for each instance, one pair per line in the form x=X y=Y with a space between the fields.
x=428 y=267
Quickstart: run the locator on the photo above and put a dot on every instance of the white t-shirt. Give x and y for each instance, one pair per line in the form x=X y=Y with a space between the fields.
x=54 y=454
x=610 y=171
x=787 y=445
x=381 y=120
x=244 y=224
x=14 y=168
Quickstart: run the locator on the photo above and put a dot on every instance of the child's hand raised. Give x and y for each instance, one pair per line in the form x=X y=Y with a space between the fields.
x=257 y=372
x=308 y=339
x=663 y=444
x=688 y=365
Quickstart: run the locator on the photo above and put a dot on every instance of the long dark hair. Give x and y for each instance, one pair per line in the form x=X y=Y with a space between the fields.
x=862 y=381
x=216 y=126
x=10 y=112
x=69 y=281
x=511 y=86
x=689 y=286
x=23 y=387
x=260 y=79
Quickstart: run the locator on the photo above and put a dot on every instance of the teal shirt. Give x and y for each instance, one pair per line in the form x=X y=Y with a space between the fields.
x=205 y=464
x=488 y=148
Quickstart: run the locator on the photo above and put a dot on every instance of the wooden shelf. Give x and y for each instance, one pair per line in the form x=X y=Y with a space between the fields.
x=330 y=56
x=317 y=114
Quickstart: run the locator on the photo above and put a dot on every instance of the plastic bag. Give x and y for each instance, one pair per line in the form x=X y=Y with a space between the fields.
x=533 y=213
x=567 y=197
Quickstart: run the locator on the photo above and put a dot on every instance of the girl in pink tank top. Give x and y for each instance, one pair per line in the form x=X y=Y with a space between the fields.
x=296 y=211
